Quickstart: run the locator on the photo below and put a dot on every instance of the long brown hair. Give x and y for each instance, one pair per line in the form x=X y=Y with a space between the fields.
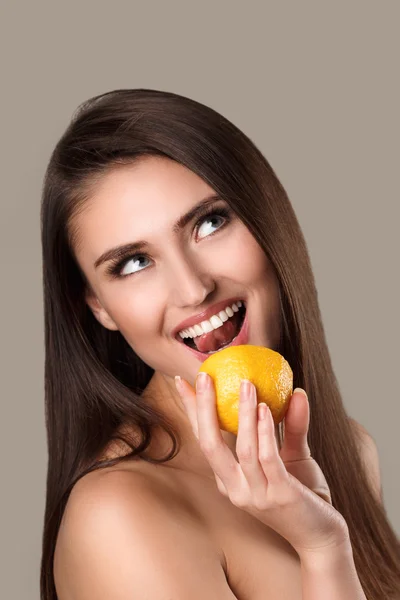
x=94 y=380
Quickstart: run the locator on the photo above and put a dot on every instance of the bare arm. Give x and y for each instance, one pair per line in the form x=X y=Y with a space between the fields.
x=120 y=540
x=331 y=575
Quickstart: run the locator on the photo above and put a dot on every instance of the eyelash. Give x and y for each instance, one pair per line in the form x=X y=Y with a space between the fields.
x=115 y=268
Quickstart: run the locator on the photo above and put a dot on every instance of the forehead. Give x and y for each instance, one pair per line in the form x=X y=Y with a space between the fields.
x=150 y=182
x=137 y=201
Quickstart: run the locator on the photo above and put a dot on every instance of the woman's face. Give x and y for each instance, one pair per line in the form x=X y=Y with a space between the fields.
x=180 y=273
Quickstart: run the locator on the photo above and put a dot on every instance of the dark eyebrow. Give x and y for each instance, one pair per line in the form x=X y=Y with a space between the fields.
x=180 y=224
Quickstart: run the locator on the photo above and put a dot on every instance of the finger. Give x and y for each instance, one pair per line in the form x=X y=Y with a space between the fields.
x=211 y=441
x=247 y=440
x=295 y=444
x=188 y=398
x=268 y=451
x=221 y=486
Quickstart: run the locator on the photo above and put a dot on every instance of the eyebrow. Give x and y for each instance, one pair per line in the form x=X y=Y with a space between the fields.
x=180 y=224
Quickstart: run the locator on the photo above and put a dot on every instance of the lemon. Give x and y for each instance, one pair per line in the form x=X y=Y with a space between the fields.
x=265 y=368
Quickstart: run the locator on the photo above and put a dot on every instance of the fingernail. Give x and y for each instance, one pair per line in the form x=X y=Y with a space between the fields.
x=178 y=384
x=262 y=411
x=301 y=391
x=201 y=382
x=246 y=387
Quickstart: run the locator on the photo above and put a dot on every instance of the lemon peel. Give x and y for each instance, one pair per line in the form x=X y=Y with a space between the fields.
x=268 y=370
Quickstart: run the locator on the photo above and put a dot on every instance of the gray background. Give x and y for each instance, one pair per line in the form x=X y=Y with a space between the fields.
x=314 y=84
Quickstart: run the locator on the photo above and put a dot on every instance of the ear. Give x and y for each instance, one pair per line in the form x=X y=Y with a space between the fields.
x=99 y=311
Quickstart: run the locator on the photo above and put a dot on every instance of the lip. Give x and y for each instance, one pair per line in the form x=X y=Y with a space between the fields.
x=241 y=338
x=205 y=315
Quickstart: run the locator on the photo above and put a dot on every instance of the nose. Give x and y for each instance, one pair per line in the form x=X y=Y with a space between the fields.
x=190 y=284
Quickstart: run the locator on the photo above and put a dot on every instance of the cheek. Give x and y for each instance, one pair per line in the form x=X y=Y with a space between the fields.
x=133 y=311
x=245 y=259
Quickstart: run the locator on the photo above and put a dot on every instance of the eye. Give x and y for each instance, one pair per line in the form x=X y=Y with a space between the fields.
x=134 y=259
x=116 y=269
x=219 y=213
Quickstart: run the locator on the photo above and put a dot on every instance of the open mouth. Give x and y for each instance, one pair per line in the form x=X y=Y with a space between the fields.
x=223 y=337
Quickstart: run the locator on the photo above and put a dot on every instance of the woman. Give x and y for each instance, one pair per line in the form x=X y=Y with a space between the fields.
x=146 y=497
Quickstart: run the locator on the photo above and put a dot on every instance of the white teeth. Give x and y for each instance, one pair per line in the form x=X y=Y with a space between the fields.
x=207 y=326
x=214 y=322
x=198 y=330
x=230 y=311
x=223 y=316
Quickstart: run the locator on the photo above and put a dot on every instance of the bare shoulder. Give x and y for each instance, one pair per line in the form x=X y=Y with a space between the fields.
x=124 y=536
x=370 y=456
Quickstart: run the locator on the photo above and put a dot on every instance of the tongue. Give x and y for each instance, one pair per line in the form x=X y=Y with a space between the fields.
x=209 y=342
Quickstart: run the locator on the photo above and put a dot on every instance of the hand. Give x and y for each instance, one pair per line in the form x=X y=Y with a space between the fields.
x=285 y=489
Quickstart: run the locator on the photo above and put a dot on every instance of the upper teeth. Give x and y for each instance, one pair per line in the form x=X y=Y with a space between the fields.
x=213 y=323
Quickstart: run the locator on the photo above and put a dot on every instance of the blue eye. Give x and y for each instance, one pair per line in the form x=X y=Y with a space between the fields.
x=115 y=269
x=207 y=218
x=134 y=259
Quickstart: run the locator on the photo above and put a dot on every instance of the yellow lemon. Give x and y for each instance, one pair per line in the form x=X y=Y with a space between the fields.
x=266 y=369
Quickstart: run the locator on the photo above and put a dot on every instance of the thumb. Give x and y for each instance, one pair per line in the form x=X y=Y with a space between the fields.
x=297 y=419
